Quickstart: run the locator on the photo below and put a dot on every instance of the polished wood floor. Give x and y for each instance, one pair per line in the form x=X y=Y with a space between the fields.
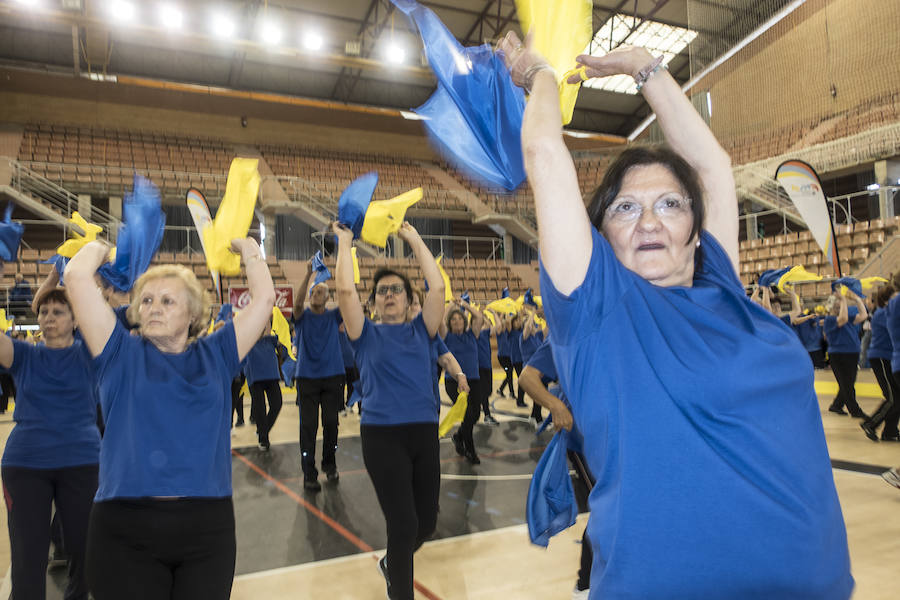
x=500 y=563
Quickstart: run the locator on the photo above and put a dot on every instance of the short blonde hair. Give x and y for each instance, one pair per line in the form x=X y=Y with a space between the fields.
x=198 y=299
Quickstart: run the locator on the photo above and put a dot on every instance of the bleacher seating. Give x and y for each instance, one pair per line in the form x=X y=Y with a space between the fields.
x=330 y=172
x=855 y=244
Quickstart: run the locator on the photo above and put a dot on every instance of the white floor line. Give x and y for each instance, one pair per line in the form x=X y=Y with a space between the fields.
x=486 y=477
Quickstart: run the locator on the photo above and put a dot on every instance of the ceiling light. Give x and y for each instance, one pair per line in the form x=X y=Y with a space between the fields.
x=29 y=3
x=270 y=33
x=313 y=41
x=222 y=26
x=170 y=17
x=122 y=12
x=394 y=54
x=873 y=187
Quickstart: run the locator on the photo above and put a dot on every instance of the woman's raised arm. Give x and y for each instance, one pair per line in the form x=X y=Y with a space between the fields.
x=96 y=320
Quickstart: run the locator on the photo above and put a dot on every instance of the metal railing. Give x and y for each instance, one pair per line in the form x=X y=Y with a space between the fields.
x=28 y=182
x=444 y=244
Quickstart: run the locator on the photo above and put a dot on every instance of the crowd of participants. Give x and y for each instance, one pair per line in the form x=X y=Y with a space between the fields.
x=650 y=339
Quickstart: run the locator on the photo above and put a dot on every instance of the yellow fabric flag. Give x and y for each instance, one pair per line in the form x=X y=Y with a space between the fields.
x=448 y=293
x=455 y=415
x=796 y=275
x=868 y=283
x=561 y=30
x=503 y=306
x=5 y=323
x=233 y=217
x=355 y=264
x=490 y=317
x=540 y=322
x=384 y=217
x=71 y=246
x=282 y=330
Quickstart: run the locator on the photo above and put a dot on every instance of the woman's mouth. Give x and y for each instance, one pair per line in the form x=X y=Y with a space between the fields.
x=651 y=246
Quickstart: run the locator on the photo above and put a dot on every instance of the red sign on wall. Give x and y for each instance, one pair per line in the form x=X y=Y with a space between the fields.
x=239 y=297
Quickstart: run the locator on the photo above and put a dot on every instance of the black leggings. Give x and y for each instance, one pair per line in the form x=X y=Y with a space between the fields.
x=473 y=409
x=403 y=462
x=506 y=363
x=818 y=358
x=486 y=377
x=237 y=401
x=147 y=549
x=29 y=494
x=259 y=391
x=845 y=366
x=323 y=394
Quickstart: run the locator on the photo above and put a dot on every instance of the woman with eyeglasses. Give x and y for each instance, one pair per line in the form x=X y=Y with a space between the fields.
x=697 y=406
x=399 y=426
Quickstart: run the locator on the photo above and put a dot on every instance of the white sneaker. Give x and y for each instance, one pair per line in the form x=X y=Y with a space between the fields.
x=892 y=477
x=580 y=594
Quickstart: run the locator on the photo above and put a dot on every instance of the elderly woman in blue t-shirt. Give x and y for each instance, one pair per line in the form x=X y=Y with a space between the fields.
x=53 y=451
x=162 y=525
x=399 y=426
x=459 y=336
x=697 y=406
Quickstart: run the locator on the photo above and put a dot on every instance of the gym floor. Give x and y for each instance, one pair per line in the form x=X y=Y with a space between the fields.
x=293 y=543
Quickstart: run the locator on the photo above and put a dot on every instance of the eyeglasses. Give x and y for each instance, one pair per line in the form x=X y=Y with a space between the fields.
x=629 y=211
x=394 y=290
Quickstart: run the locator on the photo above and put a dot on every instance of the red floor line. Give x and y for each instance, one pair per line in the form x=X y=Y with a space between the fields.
x=325 y=518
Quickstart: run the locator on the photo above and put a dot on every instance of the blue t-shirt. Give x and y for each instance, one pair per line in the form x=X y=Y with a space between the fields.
x=464 y=348
x=396 y=371
x=527 y=347
x=515 y=348
x=843 y=339
x=503 y=344
x=437 y=349
x=542 y=360
x=346 y=351
x=484 y=349
x=318 y=346
x=880 y=344
x=893 y=325
x=167 y=417
x=703 y=430
x=810 y=334
x=261 y=363
x=56 y=408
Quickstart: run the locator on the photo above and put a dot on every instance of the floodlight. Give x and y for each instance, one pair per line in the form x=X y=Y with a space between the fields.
x=222 y=26
x=122 y=12
x=270 y=33
x=170 y=16
x=313 y=41
x=395 y=54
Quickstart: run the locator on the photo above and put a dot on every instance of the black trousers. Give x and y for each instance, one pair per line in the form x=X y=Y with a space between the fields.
x=486 y=377
x=319 y=395
x=506 y=363
x=818 y=359
x=147 y=549
x=237 y=403
x=582 y=486
x=29 y=494
x=889 y=410
x=7 y=390
x=259 y=392
x=473 y=410
x=845 y=366
x=403 y=462
x=351 y=376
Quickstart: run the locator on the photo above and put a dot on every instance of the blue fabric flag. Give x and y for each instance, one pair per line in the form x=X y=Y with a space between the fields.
x=465 y=297
x=475 y=115
x=355 y=396
x=287 y=370
x=354 y=202
x=529 y=298
x=551 y=505
x=505 y=293
x=59 y=263
x=771 y=277
x=322 y=272
x=10 y=236
x=226 y=313
x=139 y=236
x=852 y=283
